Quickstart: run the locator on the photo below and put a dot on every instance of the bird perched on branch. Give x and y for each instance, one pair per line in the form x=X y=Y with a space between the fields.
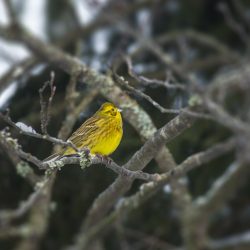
x=100 y=134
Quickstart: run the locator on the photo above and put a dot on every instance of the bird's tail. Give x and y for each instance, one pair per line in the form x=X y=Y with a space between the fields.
x=53 y=157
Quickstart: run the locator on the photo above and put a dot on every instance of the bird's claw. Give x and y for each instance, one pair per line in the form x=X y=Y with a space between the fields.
x=104 y=159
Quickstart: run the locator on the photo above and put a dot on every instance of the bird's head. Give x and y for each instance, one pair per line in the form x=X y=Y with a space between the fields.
x=109 y=109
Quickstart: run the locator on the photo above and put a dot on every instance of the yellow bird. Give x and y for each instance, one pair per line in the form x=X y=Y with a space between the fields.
x=101 y=133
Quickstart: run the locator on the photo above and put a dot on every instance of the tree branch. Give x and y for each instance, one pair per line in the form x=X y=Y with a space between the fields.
x=148 y=189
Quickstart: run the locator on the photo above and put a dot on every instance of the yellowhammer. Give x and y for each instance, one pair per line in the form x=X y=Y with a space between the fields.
x=101 y=133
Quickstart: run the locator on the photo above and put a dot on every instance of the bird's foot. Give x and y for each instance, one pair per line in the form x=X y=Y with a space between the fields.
x=104 y=159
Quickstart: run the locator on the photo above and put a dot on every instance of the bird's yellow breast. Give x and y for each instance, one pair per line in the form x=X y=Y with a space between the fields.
x=109 y=138
x=107 y=144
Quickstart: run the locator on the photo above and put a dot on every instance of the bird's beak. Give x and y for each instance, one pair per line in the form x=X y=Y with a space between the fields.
x=120 y=110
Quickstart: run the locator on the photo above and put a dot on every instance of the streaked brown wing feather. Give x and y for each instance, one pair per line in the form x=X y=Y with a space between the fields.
x=86 y=131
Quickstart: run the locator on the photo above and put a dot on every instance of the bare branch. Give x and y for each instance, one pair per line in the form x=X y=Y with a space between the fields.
x=16 y=72
x=146 y=81
x=139 y=160
x=34 y=134
x=239 y=242
x=125 y=83
x=109 y=163
x=223 y=188
x=23 y=168
x=15 y=231
x=84 y=161
x=241 y=11
x=6 y=216
x=225 y=118
x=45 y=107
x=233 y=24
x=202 y=39
x=11 y=12
x=148 y=189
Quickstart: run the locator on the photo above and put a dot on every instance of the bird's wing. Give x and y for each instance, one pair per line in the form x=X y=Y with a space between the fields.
x=84 y=133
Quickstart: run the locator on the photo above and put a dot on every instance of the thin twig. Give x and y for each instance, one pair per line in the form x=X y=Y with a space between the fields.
x=241 y=11
x=15 y=231
x=11 y=147
x=238 y=241
x=17 y=72
x=34 y=134
x=233 y=24
x=11 y=12
x=223 y=188
x=125 y=83
x=147 y=81
x=202 y=39
x=109 y=163
x=226 y=119
x=45 y=107
x=8 y=215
